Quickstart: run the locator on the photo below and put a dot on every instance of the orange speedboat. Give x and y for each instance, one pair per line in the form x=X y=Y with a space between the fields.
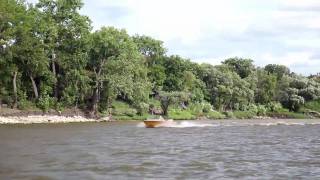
x=153 y=123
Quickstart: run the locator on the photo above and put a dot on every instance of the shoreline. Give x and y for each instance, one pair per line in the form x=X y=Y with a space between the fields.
x=55 y=119
x=47 y=119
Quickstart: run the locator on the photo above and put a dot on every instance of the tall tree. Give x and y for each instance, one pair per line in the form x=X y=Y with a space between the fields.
x=243 y=67
x=117 y=67
x=12 y=13
x=66 y=39
x=279 y=70
x=154 y=54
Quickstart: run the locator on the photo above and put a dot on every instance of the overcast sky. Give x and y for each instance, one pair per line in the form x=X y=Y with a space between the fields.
x=268 y=31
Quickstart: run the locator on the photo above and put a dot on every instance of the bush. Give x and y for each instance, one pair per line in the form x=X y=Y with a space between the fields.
x=196 y=109
x=206 y=107
x=215 y=115
x=229 y=114
x=252 y=108
x=287 y=114
x=127 y=118
x=261 y=110
x=45 y=102
x=313 y=105
x=59 y=106
x=142 y=108
x=23 y=103
x=244 y=114
x=274 y=107
x=178 y=114
x=120 y=108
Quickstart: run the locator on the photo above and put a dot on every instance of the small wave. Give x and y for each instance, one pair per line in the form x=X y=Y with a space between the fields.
x=186 y=124
x=182 y=124
x=141 y=124
x=279 y=123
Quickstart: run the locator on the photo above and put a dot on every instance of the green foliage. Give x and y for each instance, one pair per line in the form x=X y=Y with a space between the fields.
x=244 y=114
x=45 y=102
x=178 y=114
x=24 y=104
x=243 y=67
x=261 y=110
x=142 y=108
x=313 y=105
x=206 y=107
x=286 y=114
x=120 y=108
x=215 y=115
x=129 y=118
x=278 y=70
x=266 y=87
x=274 y=107
x=169 y=98
x=229 y=114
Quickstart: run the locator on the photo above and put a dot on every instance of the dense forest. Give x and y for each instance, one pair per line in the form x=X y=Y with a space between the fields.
x=51 y=59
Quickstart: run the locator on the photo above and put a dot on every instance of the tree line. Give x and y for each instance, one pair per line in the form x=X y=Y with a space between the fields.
x=51 y=58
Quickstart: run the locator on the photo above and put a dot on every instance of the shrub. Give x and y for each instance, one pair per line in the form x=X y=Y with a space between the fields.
x=120 y=108
x=142 y=108
x=287 y=114
x=206 y=107
x=244 y=114
x=229 y=114
x=274 y=107
x=196 y=109
x=178 y=114
x=261 y=110
x=23 y=103
x=45 y=102
x=215 y=115
x=313 y=105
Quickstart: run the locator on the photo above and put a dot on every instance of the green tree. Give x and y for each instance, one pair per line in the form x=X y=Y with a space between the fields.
x=66 y=34
x=12 y=13
x=117 y=68
x=243 y=67
x=278 y=70
x=266 y=87
x=169 y=98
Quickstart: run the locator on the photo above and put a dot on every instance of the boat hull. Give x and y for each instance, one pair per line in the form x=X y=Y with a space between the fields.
x=157 y=123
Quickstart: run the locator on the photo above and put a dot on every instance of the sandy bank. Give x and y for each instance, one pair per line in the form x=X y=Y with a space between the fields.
x=45 y=119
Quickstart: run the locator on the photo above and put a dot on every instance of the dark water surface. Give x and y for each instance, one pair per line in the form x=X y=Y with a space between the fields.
x=127 y=151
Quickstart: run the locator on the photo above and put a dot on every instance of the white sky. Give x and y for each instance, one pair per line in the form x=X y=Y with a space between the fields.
x=267 y=31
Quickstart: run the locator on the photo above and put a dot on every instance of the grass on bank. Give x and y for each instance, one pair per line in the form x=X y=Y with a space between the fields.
x=123 y=111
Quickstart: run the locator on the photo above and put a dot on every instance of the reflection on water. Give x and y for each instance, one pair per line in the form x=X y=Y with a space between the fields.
x=190 y=150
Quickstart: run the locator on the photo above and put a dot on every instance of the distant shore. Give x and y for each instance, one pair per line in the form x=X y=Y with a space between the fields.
x=44 y=119
x=47 y=119
x=15 y=116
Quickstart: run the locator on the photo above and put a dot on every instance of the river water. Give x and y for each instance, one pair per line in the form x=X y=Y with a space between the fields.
x=202 y=150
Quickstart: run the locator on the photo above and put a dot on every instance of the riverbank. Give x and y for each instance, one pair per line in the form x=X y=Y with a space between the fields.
x=15 y=116
x=47 y=119
x=44 y=119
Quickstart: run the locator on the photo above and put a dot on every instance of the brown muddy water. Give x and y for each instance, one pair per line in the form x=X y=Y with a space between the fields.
x=240 y=149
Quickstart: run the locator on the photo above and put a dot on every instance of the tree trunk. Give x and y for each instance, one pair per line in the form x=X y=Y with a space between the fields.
x=15 y=96
x=35 y=89
x=96 y=94
x=54 y=71
x=164 y=106
x=95 y=100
